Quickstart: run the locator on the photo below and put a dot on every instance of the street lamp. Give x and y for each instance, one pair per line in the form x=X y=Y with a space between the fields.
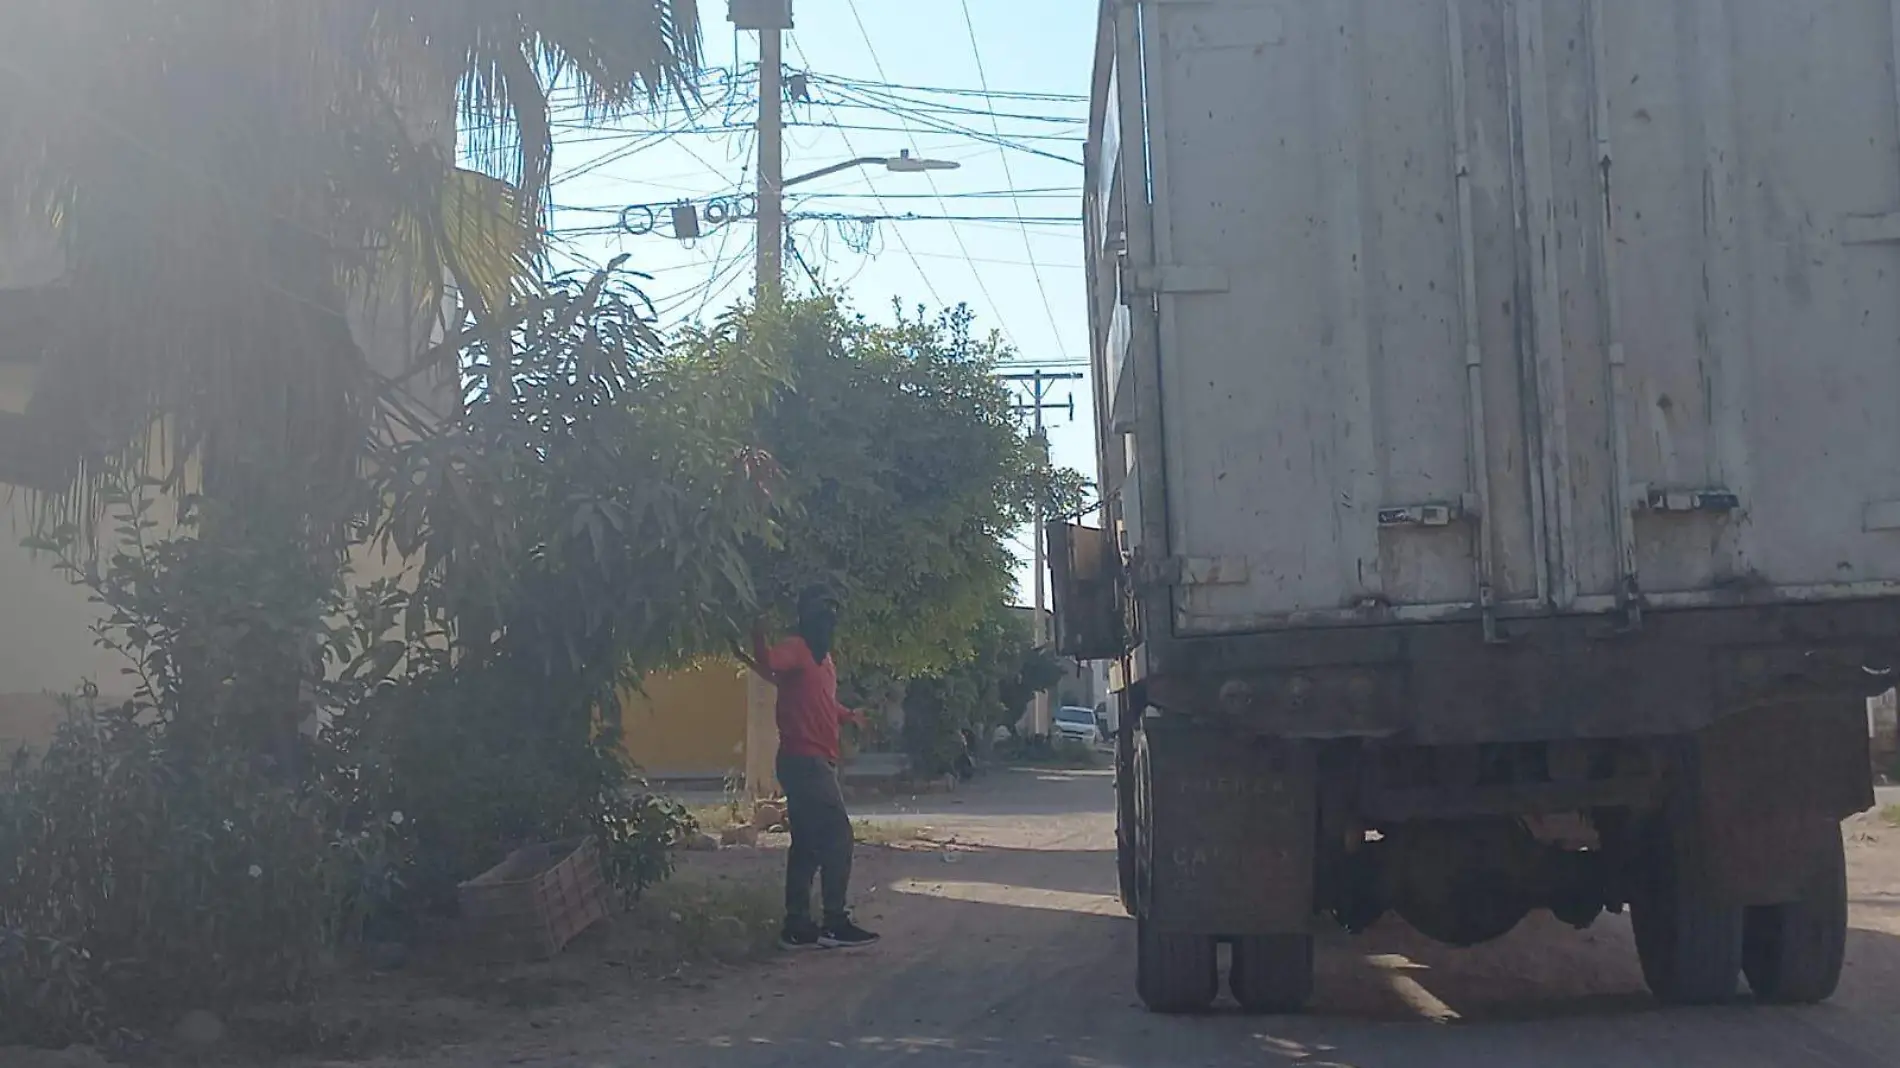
x=686 y=215
x=772 y=205
x=902 y=163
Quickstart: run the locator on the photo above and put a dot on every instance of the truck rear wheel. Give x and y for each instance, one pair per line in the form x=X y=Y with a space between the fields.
x=1175 y=972
x=1125 y=817
x=1689 y=943
x=1792 y=953
x=1272 y=973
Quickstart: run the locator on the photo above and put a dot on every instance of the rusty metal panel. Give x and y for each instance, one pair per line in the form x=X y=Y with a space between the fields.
x=1233 y=825
x=1083 y=569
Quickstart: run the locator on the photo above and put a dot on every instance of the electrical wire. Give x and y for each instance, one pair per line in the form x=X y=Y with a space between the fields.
x=860 y=83
x=983 y=78
x=996 y=309
x=945 y=126
x=901 y=242
x=1008 y=221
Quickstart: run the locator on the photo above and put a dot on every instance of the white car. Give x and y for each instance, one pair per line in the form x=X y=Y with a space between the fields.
x=1078 y=724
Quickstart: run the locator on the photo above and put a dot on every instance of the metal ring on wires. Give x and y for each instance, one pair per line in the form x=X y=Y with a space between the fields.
x=647 y=224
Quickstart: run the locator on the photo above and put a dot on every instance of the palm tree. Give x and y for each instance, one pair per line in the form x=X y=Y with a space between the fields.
x=236 y=190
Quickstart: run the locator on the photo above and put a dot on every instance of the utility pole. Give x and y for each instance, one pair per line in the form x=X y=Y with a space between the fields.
x=1040 y=382
x=771 y=18
x=771 y=164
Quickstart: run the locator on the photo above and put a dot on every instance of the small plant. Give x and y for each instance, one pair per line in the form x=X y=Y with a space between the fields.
x=1890 y=815
x=733 y=786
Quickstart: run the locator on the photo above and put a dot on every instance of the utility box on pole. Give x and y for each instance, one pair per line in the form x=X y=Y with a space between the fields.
x=760 y=14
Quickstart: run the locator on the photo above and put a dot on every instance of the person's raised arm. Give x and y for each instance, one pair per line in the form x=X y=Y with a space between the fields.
x=761 y=659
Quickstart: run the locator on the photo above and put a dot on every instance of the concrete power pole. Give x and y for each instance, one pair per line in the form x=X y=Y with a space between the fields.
x=1040 y=382
x=771 y=18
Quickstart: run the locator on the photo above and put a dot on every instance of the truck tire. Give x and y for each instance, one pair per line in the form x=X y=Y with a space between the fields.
x=1175 y=973
x=1689 y=943
x=1792 y=954
x=1272 y=974
x=1125 y=819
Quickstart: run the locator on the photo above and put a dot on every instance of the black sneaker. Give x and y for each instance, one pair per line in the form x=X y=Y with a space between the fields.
x=798 y=934
x=844 y=935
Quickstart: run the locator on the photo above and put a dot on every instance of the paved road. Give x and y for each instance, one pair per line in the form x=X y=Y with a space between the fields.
x=1006 y=948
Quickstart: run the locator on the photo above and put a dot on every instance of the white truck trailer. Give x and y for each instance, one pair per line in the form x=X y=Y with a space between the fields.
x=1498 y=441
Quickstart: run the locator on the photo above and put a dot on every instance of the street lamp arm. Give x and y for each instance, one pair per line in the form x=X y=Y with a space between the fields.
x=861 y=161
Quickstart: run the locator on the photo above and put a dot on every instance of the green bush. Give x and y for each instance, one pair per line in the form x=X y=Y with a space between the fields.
x=484 y=759
x=138 y=885
x=987 y=688
x=179 y=851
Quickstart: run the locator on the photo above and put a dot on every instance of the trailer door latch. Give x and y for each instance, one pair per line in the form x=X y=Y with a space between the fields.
x=1656 y=499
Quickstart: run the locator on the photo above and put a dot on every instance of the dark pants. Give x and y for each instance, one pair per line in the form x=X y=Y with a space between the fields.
x=821 y=835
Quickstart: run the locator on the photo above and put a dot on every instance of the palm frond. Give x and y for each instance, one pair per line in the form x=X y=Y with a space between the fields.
x=232 y=185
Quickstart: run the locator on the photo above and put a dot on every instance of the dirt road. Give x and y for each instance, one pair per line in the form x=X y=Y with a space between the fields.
x=1006 y=947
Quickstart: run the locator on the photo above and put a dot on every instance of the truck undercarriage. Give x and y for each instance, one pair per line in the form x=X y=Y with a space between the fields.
x=1705 y=800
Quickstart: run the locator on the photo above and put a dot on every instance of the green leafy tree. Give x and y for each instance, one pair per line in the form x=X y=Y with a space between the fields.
x=988 y=687
x=575 y=531
x=905 y=473
x=594 y=517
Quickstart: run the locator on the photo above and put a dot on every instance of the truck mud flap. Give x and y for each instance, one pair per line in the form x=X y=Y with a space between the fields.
x=1231 y=824
x=1773 y=784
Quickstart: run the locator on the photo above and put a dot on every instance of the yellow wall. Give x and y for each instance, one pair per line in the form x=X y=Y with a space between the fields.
x=690 y=723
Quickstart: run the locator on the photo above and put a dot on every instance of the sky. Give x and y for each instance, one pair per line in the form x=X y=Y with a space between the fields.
x=1023 y=278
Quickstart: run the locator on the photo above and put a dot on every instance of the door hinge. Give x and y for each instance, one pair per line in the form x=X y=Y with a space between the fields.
x=1181 y=278
x=1870 y=229
x=1880 y=515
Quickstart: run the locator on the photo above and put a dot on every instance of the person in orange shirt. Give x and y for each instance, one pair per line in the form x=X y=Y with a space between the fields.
x=808 y=715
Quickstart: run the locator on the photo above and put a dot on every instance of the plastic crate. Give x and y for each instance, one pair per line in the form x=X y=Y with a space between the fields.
x=532 y=904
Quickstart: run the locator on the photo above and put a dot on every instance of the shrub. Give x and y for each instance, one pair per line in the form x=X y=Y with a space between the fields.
x=138 y=885
x=173 y=852
x=484 y=759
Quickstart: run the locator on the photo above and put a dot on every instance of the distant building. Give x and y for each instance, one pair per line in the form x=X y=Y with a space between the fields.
x=1081 y=685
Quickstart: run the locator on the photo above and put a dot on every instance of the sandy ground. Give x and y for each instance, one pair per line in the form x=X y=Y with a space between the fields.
x=1004 y=945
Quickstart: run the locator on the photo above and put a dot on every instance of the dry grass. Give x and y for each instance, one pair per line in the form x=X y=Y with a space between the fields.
x=1064 y=754
x=879 y=833
x=708 y=918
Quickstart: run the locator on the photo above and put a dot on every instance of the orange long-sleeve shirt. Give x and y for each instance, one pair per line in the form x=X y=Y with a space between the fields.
x=808 y=711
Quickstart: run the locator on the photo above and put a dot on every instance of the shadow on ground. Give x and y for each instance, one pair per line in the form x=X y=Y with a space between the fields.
x=1022 y=957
